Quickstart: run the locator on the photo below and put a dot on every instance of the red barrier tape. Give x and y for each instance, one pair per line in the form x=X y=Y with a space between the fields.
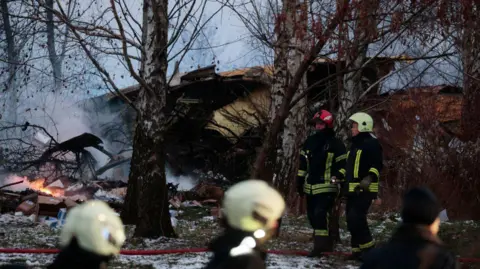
x=146 y=252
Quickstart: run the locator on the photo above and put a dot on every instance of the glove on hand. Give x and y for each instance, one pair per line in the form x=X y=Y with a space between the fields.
x=365 y=183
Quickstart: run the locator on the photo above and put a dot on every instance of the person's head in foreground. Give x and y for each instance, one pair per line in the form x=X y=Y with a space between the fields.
x=92 y=235
x=250 y=213
x=415 y=243
x=254 y=207
x=421 y=208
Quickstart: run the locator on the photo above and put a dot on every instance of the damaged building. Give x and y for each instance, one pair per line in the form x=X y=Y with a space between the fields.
x=225 y=126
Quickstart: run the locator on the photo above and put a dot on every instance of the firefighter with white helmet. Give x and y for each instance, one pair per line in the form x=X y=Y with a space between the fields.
x=92 y=235
x=250 y=214
x=361 y=182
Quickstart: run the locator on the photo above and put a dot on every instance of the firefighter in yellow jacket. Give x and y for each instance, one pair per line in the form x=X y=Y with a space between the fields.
x=321 y=159
x=361 y=181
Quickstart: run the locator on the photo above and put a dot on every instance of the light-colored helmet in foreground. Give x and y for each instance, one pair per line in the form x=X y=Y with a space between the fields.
x=252 y=205
x=96 y=227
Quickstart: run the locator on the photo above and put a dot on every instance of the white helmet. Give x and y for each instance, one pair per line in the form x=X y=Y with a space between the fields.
x=96 y=227
x=252 y=205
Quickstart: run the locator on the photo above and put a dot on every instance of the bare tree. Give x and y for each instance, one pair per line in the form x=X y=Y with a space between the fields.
x=11 y=62
x=292 y=86
x=356 y=33
x=460 y=22
x=32 y=150
x=146 y=202
x=291 y=28
x=355 y=54
x=18 y=34
x=56 y=58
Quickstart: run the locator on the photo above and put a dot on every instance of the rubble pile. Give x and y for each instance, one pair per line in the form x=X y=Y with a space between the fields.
x=49 y=203
x=203 y=194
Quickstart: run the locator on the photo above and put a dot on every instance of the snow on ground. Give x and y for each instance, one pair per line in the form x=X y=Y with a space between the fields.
x=22 y=232
x=180 y=261
x=196 y=228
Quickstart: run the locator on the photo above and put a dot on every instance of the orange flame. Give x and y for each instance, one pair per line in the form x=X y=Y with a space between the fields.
x=38 y=186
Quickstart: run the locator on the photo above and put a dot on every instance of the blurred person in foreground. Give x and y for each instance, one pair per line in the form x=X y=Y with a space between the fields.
x=415 y=243
x=250 y=213
x=92 y=235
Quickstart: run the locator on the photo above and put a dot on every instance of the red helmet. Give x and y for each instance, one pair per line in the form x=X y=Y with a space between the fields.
x=324 y=116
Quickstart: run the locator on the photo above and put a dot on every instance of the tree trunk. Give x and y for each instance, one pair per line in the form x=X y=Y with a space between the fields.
x=282 y=113
x=284 y=23
x=11 y=110
x=55 y=59
x=277 y=91
x=471 y=69
x=148 y=160
x=293 y=133
x=129 y=213
x=350 y=88
x=152 y=200
x=356 y=54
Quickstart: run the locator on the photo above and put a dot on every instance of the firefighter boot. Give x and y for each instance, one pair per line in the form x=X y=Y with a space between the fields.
x=320 y=245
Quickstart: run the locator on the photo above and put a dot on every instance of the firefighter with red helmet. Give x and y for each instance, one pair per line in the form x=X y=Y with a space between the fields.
x=322 y=159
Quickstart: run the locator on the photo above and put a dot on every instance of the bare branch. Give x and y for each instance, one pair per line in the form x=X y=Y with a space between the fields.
x=62 y=16
x=137 y=77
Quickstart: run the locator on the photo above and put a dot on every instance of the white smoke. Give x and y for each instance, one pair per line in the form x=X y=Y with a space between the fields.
x=7 y=179
x=70 y=121
x=64 y=118
x=185 y=182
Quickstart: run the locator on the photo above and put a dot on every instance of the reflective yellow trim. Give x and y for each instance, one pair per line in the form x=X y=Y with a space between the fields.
x=328 y=190
x=342 y=171
x=321 y=232
x=341 y=157
x=301 y=173
x=367 y=245
x=319 y=188
x=356 y=250
x=328 y=167
x=372 y=188
x=375 y=171
x=357 y=163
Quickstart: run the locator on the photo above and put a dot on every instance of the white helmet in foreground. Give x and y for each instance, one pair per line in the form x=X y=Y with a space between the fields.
x=96 y=227
x=252 y=205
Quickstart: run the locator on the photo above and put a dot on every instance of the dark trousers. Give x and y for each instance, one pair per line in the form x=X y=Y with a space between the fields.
x=356 y=211
x=319 y=208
